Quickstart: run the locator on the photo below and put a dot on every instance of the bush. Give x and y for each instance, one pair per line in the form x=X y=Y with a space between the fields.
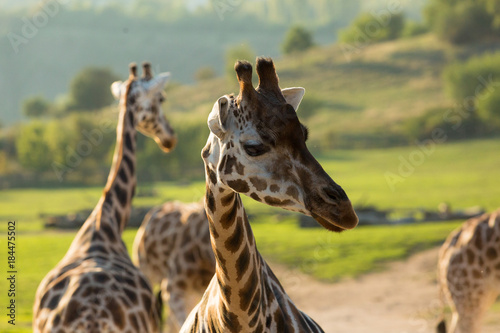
x=464 y=82
x=488 y=109
x=461 y=21
x=33 y=152
x=413 y=28
x=36 y=106
x=90 y=89
x=451 y=123
x=370 y=28
x=183 y=163
x=297 y=39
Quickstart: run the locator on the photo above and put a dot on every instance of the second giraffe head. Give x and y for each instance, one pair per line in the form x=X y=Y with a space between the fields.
x=143 y=97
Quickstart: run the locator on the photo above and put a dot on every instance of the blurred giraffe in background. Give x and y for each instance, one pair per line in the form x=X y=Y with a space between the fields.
x=469 y=272
x=96 y=287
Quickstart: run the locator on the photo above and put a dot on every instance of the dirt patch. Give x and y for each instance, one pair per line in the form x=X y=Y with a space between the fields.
x=402 y=299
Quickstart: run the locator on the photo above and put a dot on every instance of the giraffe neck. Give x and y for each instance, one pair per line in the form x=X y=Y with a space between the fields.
x=120 y=187
x=113 y=209
x=238 y=263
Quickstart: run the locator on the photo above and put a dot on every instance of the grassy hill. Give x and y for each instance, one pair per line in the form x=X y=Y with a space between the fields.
x=110 y=33
x=360 y=99
x=373 y=97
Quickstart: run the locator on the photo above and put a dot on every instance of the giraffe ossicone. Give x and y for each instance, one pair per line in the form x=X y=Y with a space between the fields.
x=257 y=147
x=96 y=287
x=469 y=272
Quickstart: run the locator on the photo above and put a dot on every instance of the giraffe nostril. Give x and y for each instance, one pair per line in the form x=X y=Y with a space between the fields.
x=336 y=194
x=330 y=193
x=167 y=144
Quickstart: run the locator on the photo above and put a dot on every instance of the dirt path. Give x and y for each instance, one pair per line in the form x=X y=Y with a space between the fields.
x=402 y=299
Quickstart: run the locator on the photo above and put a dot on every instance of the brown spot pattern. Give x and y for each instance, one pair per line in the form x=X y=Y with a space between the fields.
x=259 y=183
x=238 y=185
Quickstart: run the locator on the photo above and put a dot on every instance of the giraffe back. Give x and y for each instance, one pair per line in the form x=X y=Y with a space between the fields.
x=172 y=248
x=96 y=289
x=469 y=271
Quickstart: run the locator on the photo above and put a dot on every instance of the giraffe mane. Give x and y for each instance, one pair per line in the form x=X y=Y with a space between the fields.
x=119 y=145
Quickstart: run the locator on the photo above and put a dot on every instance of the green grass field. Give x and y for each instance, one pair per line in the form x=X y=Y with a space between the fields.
x=462 y=174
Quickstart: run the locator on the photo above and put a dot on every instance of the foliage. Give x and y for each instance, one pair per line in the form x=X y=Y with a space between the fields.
x=205 y=73
x=238 y=52
x=468 y=81
x=32 y=151
x=452 y=123
x=413 y=28
x=297 y=39
x=463 y=21
x=77 y=146
x=488 y=110
x=183 y=163
x=368 y=27
x=35 y=106
x=89 y=89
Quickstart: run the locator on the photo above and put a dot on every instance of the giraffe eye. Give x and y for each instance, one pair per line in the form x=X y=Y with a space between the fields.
x=255 y=149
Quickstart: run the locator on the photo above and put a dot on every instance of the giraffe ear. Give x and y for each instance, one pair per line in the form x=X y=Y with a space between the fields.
x=293 y=96
x=158 y=82
x=218 y=117
x=116 y=89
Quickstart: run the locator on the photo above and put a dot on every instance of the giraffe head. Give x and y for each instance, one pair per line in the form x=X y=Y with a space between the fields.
x=143 y=97
x=257 y=147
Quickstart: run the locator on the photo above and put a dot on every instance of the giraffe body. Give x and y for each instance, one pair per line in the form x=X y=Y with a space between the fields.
x=172 y=248
x=469 y=271
x=96 y=287
x=257 y=147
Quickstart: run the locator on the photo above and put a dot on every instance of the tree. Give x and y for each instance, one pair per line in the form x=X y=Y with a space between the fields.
x=368 y=27
x=239 y=52
x=89 y=89
x=463 y=21
x=413 y=28
x=466 y=81
x=32 y=151
x=35 y=106
x=488 y=109
x=297 y=39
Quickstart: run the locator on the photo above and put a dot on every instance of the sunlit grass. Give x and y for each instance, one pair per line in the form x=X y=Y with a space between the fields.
x=317 y=252
x=329 y=256
x=462 y=174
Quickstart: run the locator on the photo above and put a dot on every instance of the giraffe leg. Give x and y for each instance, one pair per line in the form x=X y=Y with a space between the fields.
x=174 y=297
x=470 y=309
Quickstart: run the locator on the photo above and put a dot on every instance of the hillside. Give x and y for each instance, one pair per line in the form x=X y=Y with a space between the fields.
x=360 y=99
x=179 y=36
x=383 y=95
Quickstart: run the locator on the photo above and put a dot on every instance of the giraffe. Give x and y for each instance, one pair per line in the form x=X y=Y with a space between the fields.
x=172 y=248
x=469 y=272
x=256 y=147
x=96 y=287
